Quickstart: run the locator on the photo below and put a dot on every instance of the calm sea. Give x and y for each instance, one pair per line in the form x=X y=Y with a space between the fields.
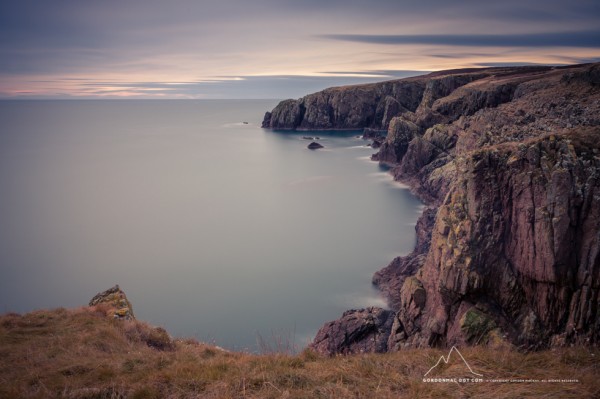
x=215 y=228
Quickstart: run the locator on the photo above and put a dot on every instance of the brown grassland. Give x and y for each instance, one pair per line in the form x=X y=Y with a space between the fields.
x=83 y=353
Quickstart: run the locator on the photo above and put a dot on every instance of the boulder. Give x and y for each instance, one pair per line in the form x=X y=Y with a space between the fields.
x=357 y=331
x=117 y=302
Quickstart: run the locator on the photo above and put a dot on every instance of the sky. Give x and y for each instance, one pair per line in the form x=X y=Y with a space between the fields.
x=273 y=48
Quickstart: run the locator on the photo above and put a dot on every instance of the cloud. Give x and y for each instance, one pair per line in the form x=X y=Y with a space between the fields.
x=458 y=55
x=581 y=39
x=378 y=73
x=507 y=64
x=244 y=87
x=280 y=44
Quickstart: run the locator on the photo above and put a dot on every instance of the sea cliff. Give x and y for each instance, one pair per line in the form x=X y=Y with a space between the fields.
x=508 y=249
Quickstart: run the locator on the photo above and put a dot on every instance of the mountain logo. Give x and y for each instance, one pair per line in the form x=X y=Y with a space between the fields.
x=447 y=359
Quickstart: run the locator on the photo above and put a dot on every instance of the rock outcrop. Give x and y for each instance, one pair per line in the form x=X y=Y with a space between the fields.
x=508 y=249
x=116 y=301
x=314 y=146
x=357 y=331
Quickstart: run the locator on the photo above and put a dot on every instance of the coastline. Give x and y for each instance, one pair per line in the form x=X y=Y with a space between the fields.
x=505 y=160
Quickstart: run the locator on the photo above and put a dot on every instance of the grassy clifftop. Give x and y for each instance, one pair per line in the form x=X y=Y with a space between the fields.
x=85 y=353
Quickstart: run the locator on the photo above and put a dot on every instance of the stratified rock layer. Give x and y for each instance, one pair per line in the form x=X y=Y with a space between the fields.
x=508 y=161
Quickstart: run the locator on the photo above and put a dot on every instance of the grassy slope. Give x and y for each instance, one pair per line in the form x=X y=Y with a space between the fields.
x=84 y=354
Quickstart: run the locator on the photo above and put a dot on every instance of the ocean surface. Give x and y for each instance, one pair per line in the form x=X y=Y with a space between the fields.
x=214 y=228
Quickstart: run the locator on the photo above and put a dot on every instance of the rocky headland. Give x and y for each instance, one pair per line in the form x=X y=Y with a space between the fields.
x=507 y=161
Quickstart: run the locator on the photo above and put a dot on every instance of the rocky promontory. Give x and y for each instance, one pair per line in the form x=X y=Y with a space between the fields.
x=508 y=248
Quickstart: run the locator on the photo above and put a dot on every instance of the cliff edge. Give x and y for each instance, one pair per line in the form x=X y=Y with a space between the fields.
x=508 y=162
x=88 y=353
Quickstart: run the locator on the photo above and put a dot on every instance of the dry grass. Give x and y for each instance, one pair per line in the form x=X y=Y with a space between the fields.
x=83 y=354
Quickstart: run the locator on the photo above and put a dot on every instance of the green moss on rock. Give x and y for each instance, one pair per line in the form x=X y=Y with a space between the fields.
x=476 y=326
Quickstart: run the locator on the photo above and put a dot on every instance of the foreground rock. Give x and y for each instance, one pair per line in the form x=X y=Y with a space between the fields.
x=357 y=331
x=314 y=146
x=114 y=303
x=116 y=300
x=508 y=160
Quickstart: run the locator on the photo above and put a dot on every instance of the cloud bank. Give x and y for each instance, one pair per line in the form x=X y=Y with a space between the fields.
x=272 y=49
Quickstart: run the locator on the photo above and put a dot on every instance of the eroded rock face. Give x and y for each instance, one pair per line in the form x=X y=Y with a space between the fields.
x=391 y=278
x=115 y=298
x=357 y=331
x=516 y=243
x=508 y=250
x=400 y=134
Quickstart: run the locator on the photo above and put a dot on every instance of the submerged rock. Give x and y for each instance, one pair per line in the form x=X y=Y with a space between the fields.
x=314 y=146
x=115 y=298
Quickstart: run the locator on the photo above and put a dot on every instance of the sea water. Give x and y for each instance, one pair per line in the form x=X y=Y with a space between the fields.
x=214 y=228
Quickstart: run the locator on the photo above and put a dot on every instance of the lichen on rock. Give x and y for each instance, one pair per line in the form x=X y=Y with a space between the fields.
x=475 y=326
x=119 y=306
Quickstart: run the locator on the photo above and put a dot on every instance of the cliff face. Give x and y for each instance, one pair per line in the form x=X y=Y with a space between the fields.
x=353 y=107
x=508 y=252
x=515 y=250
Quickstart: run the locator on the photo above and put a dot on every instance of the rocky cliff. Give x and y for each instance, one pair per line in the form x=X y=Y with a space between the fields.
x=508 y=250
x=352 y=107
